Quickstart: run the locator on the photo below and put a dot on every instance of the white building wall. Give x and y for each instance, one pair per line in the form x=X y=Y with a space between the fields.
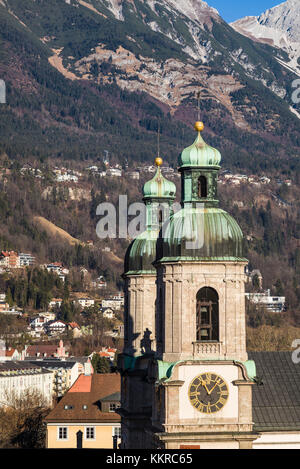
x=14 y=386
x=278 y=440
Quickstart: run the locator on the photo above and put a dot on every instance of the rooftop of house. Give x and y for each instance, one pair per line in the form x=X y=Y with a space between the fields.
x=10 y=352
x=52 y=364
x=82 y=384
x=74 y=325
x=80 y=359
x=47 y=350
x=276 y=402
x=104 y=354
x=115 y=397
x=20 y=367
x=82 y=403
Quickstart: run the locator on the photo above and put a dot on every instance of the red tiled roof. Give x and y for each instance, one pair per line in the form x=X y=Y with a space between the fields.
x=104 y=354
x=74 y=325
x=9 y=253
x=82 y=384
x=9 y=353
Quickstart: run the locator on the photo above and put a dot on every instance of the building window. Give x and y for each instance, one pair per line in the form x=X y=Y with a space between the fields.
x=68 y=407
x=90 y=433
x=63 y=433
x=207 y=315
x=117 y=431
x=113 y=407
x=202 y=187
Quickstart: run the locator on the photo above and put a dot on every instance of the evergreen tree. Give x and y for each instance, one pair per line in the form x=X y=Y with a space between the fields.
x=9 y=298
x=101 y=365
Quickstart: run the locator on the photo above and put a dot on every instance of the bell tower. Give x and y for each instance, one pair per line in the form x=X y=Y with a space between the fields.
x=199 y=375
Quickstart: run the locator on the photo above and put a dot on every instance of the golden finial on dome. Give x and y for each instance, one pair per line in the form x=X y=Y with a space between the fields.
x=199 y=126
x=158 y=161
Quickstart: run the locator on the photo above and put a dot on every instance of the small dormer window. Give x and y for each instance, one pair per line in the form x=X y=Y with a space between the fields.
x=68 y=407
x=113 y=406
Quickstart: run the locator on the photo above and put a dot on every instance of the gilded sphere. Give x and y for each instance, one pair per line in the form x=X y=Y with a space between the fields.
x=158 y=161
x=199 y=126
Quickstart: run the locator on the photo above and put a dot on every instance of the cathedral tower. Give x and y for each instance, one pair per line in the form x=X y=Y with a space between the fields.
x=196 y=379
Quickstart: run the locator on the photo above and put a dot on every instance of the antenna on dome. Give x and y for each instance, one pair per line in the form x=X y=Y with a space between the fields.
x=199 y=126
x=198 y=104
x=158 y=140
x=158 y=159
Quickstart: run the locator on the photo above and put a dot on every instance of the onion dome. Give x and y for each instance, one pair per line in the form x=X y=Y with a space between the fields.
x=141 y=253
x=159 y=187
x=200 y=230
x=201 y=234
x=200 y=154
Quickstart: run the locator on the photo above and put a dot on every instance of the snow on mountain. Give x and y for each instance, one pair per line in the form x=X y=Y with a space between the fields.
x=284 y=17
x=278 y=27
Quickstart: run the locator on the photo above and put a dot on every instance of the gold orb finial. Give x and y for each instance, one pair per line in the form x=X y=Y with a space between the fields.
x=199 y=126
x=158 y=161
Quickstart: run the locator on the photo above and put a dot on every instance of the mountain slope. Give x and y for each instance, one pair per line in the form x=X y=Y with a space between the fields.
x=94 y=74
x=279 y=27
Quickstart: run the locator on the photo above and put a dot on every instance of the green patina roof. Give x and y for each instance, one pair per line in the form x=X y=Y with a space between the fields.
x=159 y=187
x=165 y=369
x=196 y=233
x=200 y=232
x=200 y=154
x=141 y=254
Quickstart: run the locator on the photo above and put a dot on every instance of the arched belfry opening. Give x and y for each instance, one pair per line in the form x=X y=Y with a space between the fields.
x=202 y=187
x=207 y=315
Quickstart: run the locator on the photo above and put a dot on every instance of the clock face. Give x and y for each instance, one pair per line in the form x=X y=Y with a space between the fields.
x=208 y=393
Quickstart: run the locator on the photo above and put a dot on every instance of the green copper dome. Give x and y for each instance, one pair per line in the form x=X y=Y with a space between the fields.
x=159 y=187
x=201 y=234
x=142 y=251
x=141 y=254
x=200 y=155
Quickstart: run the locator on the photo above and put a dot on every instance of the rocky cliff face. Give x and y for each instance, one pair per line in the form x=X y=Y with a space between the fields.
x=278 y=27
x=168 y=49
x=201 y=52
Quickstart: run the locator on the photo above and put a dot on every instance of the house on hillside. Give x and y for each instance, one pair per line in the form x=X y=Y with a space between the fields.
x=55 y=328
x=49 y=316
x=274 y=304
x=75 y=329
x=37 y=324
x=9 y=259
x=56 y=302
x=85 y=417
x=109 y=313
x=4 y=306
x=10 y=353
x=26 y=259
x=100 y=282
x=85 y=302
x=116 y=302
